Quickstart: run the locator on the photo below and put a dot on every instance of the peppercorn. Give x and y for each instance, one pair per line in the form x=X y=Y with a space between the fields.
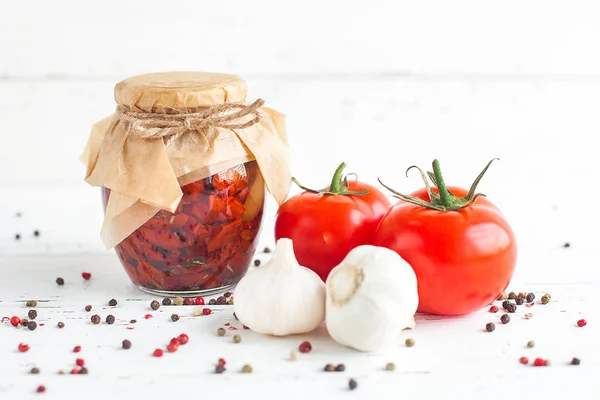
x=188 y=301
x=530 y=297
x=95 y=319
x=503 y=296
x=175 y=317
x=493 y=309
x=508 y=306
x=237 y=338
x=221 y=300
x=24 y=322
x=110 y=319
x=305 y=347
x=126 y=344
x=575 y=361
x=519 y=301
x=112 y=302
x=390 y=366
x=230 y=301
x=329 y=368
x=88 y=308
x=340 y=368
x=522 y=295
x=567 y=245
x=212 y=302
x=206 y=311
x=23 y=347
x=219 y=369
x=256 y=262
x=60 y=281
x=35 y=370
x=172 y=348
x=581 y=323
x=178 y=301
x=32 y=325
x=158 y=353
x=505 y=318
x=83 y=371
x=199 y=301
x=36 y=233
x=528 y=315
x=61 y=372
x=505 y=304
x=86 y=275
x=524 y=360
x=133 y=321
x=512 y=295
x=76 y=349
x=352 y=384
x=221 y=331
x=267 y=250
x=183 y=339
x=17 y=237
x=166 y=301
x=247 y=369
x=410 y=342
x=80 y=362
x=294 y=355
x=221 y=361
x=41 y=389
x=545 y=299
x=490 y=327
x=31 y=303
x=531 y=344
x=197 y=312
x=32 y=314
x=155 y=305
x=539 y=362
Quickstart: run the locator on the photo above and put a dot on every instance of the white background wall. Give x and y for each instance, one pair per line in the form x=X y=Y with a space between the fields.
x=379 y=84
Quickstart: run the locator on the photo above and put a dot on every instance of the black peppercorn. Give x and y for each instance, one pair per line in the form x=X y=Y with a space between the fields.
x=36 y=233
x=60 y=281
x=32 y=314
x=17 y=237
x=95 y=319
x=31 y=303
x=567 y=245
x=166 y=301
x=352 y=384
x=83 y=371
x=126 y=344
x=267 y=250
x=329 y=368
x=221 y=300
x=256 y=262
x=519 y=301
x=35 y=370
x=112 y=302
x=508 y=306
x=175 y=317
x=575 y=361
x=61 y=325
x=530 y=297
x=155 y=305
x=505 y=303
x=212 y=302
x=220 y=369
x=505 y=318
x=340 y=368
x=88 y=308
x=110 y=319
x=32 y=325
x=490 y=327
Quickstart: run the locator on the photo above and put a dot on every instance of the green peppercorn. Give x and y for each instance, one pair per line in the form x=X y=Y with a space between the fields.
x=531 y=344
x=502 y=297
x=512 y=295
x=31 y=303
x=390 y=366
x=237 y=338
x=522 y=295
x=410 y=342
x=247 y=369
x=545 y=299
x=178 y=301
x=221 y=331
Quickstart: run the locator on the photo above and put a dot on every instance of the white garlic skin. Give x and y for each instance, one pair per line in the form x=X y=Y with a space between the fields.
x=371 y=297
x=281 y=297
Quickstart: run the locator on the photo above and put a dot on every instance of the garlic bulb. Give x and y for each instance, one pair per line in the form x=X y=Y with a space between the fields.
x=281 y=297
x=371 y=297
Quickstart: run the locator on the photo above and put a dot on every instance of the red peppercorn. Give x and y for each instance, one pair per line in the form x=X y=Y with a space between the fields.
x=221 y=362
x=41 y=389
x=524 y=360
x=493 y=309
x=76 y=349
x=172 y=348
x=227 y=295
x=539 y=362
x=80 y=362
x=188 y=302
x=581 y=323
x=86 y=275
x=183 y=338
x=23 y=347
x=199 y=301
x=305 y=347
x=245 y=327
x=148 y=316
x=175 y=342
x=75 y=371
x=158 y=353
x=206 y=311
x=15 y=321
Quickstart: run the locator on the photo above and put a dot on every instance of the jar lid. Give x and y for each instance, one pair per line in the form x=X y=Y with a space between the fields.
x=166 y=92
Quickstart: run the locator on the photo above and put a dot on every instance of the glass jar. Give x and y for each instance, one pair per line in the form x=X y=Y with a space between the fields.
x=206 y=245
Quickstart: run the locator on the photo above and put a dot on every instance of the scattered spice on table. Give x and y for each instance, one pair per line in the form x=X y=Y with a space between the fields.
x=80 y=362
x=230 y=301
x=221 y=332
x=256 y=262
x=503 y=296
x=110 y=319
x=539 y=362
x=493 y=309
x=60 y=281
x=522 y=295
x=294 y=355
x=31 y=303
x=23 y=347
x=183 y=339
x=545 y=299
x=175 y=317
x=575 y=361
x=490 y=326
x=189 y=301
x=32 y=314
x=206 y=311
x=158 y=353
x=76 y=349
x=531 y=344
x=41 y=389
x=329 y=368
x=581 y=323
x=88 y=308
x=197 y=312
x=166 y=301
x=352 y=384
x=221 y=300
x=112 y=302
x=95 y=319
x=34 y=370
x=133 y=321
x=512 y=295
x=199 y=301
x=247 y=369
x=15 y=321
x=31 y=325
x=305 y=347
x=508 y=306
x=237 y=338
x=172 y=347
x=390 y=366
x=519 y=301
x=86 y=275
x=524 y=360
x=530 y=297
x=178 y=301
x=505 y=318
x=126 y=344
x=410 y=342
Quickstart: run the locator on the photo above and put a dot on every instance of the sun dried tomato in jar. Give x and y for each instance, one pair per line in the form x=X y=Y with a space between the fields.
x=184 y=165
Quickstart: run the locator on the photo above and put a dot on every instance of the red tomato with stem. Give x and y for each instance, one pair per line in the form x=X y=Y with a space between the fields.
x=324 y=225
x=459 y=244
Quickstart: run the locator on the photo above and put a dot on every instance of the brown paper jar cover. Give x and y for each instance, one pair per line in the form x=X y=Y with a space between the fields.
x=148 y=174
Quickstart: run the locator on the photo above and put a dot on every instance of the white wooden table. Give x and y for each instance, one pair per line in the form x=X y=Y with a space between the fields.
x=454 y=358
